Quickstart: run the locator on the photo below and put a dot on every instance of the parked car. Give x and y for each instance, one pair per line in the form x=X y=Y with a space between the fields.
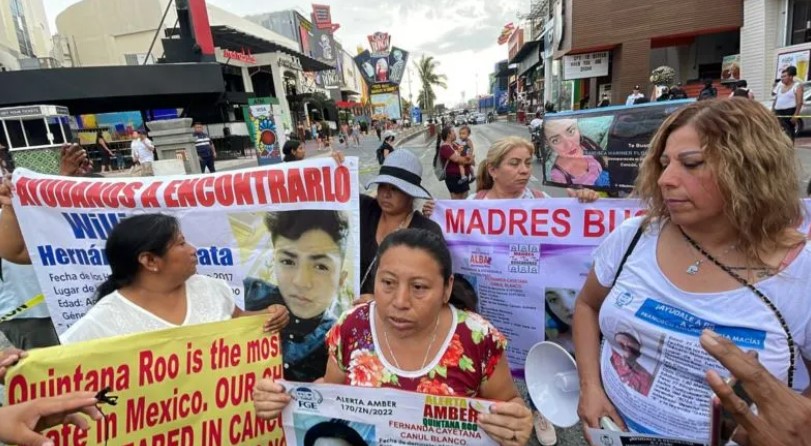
x=460 y=120
x=481 y=119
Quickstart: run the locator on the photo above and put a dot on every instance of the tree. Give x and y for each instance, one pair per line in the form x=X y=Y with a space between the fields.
x=429 y=78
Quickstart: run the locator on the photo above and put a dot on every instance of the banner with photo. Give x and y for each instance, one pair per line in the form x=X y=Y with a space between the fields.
x=247 y=227
x=170 y=392
x=601 y=148
x=527 y=260
x=387 y=67
x=327 y=414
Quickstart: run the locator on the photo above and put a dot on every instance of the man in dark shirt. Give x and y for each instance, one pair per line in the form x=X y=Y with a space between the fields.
x=205 y=148
x=308 y=257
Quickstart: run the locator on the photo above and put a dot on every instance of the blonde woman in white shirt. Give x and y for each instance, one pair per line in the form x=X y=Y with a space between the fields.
x=154 y=285
x=788 y=100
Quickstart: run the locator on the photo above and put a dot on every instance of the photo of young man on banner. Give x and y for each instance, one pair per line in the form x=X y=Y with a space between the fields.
x=600 y=149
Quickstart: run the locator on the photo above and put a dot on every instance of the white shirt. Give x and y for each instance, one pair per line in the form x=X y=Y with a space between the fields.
x=18 y=285
x=142 y=150
x=667 y=322
x=535 y=123
x=785 y=100
x=633 y=97
x=207 y=300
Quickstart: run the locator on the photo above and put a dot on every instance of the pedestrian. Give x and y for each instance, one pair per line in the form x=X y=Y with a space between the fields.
x=104 y=151
x=450 y=157
x=325 y=136
x=665 y=96
x=293 y=150
x=788 y=100
x=379 y=129
x=356 y=133
x=6 y=162
x=344 y=138
x=742 y=91
x=604 y=102
x=708 y=92
x=677 y=92
x=314 y=133
x=143 y=155
x=636 y=94
x=206 y=152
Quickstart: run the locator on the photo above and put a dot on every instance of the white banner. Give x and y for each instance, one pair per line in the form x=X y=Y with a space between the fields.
x=379 y=416
x=66 y=222
x=582 y=66
x=604 y=437
x=524 y=255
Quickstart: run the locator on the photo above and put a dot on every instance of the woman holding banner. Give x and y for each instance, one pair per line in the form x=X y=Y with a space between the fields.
x=154 y=285
x=411 y=338
x=715 y=249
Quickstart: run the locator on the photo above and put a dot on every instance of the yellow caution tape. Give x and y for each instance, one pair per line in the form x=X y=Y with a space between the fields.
x=33 y=302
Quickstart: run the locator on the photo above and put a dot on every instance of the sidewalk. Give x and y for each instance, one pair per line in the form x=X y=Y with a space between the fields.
x=802 y=143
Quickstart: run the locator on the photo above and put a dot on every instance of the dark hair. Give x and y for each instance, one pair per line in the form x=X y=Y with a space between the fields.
x=425 y=240
x=463 y=295
x=293 y=224
x=333 y=429
x=791 y=71
x=99 y=134
x=808 y=189
x=196 y=123
x=289 y=147
x=440 y=138
x=742 y=84
x=465 y=127
x=131 y=237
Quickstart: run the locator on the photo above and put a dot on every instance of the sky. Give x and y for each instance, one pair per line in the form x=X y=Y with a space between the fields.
x=460 y=34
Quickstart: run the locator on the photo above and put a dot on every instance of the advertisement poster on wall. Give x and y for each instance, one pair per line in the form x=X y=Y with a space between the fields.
x=797 y=59
x=261 y=119
x=601 y=148
x=386 y=106
x=384 y=63
x=731 y=68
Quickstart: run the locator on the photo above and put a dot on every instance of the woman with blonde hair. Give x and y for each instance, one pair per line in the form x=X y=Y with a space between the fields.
x=717 y=249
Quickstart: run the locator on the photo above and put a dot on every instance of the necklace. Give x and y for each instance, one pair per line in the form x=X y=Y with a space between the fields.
x=695 y=267
x=427 y=351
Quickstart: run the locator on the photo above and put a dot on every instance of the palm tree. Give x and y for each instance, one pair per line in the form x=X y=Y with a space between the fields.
x=426 y=68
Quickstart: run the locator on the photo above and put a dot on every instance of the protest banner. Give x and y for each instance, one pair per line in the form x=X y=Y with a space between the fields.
x=605 y=437
x=236 y=220
x=367 y=415
x=183 y=386
x=526 y=256
x=601 y=148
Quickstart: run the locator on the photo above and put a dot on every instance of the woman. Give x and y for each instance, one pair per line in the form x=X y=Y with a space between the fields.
x=154 y=285
x=506 y=172
x=571 y=166
x=356 y=133
x=410 y=338
x=293 y=151
x=715 y=250
x=104 y=151
x=788 y=100
x=452 y=160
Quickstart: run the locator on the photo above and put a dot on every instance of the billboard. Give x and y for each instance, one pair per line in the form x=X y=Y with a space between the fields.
x=386 y=105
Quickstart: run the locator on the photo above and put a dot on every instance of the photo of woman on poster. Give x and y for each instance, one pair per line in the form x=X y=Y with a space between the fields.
x=382 y=70
x=571 y=166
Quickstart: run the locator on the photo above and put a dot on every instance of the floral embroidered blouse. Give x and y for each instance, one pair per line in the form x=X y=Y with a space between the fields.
x=468 y=357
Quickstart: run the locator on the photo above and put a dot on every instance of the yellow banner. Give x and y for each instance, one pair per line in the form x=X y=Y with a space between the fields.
x=185 y=386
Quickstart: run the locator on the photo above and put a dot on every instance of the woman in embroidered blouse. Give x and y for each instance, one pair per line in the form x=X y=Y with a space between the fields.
x=411 y=338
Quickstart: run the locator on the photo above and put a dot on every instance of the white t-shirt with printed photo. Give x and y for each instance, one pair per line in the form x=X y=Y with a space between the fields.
x=664 y=390
x=207 y=300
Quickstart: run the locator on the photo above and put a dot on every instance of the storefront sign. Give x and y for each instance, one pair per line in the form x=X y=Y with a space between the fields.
x=582 y=66
x=797 y=59
x=241 y=56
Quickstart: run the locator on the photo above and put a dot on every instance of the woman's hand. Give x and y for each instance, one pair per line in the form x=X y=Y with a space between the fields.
x=508 y=423
x=20 y=423
x=583 y=195
x=278 y=318
x=338 y=156
x=364 y=298
x=428 y=208
x=593 y=405
x=73 y=161
x=783 y=418
x=8 y=358
x=269 y=399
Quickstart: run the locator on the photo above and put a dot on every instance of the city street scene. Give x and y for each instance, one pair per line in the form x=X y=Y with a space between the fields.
x=417 y=223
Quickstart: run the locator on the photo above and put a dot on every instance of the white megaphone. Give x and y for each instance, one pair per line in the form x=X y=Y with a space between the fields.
x=553 y=385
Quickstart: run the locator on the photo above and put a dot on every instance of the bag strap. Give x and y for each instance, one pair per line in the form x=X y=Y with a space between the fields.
x=766 y=301
x=628 y=252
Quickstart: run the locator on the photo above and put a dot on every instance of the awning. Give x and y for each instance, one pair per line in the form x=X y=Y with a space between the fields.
x=90 y=90
x=525 y=51
x=228 y=37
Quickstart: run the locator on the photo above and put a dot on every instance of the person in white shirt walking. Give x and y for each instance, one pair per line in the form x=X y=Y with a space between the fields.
x=788 y=100
x=143 y=155
x=636 y=94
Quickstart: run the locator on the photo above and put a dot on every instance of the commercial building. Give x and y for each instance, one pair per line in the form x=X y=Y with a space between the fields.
x=601 y=47
x=775 y=34
x=25 y=37
x=254 y=60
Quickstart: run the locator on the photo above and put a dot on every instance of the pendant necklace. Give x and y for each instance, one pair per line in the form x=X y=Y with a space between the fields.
x=695 y=267
x=427 y=352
